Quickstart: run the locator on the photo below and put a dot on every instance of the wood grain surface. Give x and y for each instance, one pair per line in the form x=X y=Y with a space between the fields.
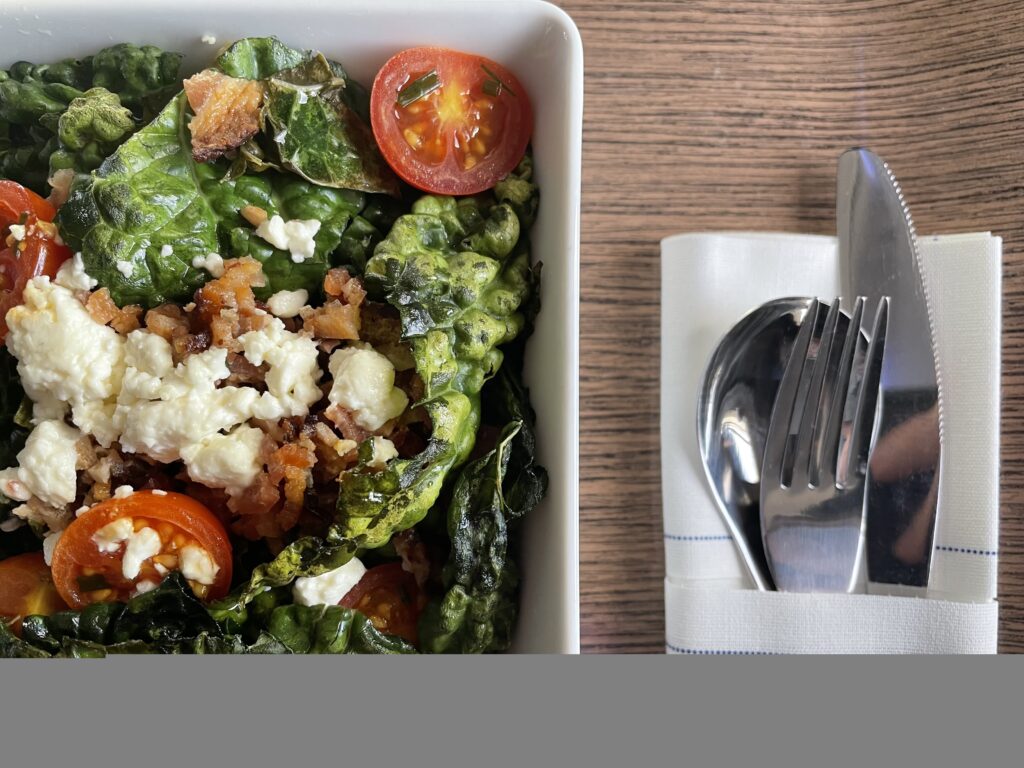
x=719 y=114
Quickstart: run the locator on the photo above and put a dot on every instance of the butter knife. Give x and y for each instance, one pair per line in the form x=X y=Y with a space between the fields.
x=878 y=256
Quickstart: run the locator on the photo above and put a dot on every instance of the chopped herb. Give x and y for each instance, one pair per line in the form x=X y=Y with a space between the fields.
x=420 y=87
x=493 y=85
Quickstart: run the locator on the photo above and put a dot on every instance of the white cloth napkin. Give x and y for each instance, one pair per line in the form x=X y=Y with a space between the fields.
x=709 y=281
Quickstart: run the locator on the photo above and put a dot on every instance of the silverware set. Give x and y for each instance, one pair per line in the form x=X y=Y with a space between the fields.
x=820 y=433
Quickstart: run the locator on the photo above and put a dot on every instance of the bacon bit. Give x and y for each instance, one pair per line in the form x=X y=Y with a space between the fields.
x=254 y=214
x=101 y=307
x=292 y=463
x=190 y=344
x=345 y=421
x=127 y=320
x=85 y=454
x=227 y=112
x=221 y=304
x=167 y=321
x=333 y=320
x=338 y=283
x=334 y=455
x=255 y=508
x=245 y=373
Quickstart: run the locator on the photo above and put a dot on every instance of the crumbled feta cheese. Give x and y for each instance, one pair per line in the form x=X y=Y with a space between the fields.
x=162 y=570
x=196 y=564
x=72 y=275
x=64 y=356
x=163 y=408
x=328 y=588
x=166 y=250
x=383 y=452
x=211 y=262
x=281 y=136
x=46 y=466
x=123 y=491
x=293 y=375
x=288 y=303
x=17 y=231
x=125 y=268
x=294 y=236
x=82 y=510
x=142 y=545
x=303 y=97
x=208 y=39
x=158 y=492
x=108 y=539
x=143 y=587
x=364 y=383
x=49 y=543
x=229 y=461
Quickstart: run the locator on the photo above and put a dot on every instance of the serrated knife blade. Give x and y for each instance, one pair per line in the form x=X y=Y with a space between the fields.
x=878 y=257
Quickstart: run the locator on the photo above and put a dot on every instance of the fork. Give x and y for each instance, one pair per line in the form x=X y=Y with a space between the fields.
x=815 y=455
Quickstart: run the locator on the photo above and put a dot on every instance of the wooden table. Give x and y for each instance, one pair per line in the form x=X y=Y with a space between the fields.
x=730 y=114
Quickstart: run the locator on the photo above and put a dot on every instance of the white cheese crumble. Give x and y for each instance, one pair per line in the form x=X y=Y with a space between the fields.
x=383 y=452
x=64 y=356
x=72 y=275
x=125 y=268
x=158 y=492
x=197 y=565
x=208 y=39
x=364 y=383
x=143 y=587
x=49 y=544
x=229 y=461
x=211 y=262
x=123 y=491
x=294 y=236
x=17 y=231
x=293 y=375
x=288 y=303
x=303 y=96
x=280 y=137
x=82 y=510
x=164 y=408
x=166 y=250
x=46 y=467
x=328 y=588
x=142 y=545
x=109 y=538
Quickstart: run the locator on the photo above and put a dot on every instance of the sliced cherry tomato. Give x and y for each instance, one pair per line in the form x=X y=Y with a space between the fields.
x=390 y=598
x=449 y=122
x=39 y=252
x=15 y=201
x=26 y=588
x=89 y=559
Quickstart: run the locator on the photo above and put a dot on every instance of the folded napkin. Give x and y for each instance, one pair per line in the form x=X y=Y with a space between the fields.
x=709 y=281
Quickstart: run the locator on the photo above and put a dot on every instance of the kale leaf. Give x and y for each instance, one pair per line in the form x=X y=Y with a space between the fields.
x=170 y=619
x=477 y=613
x=34 y=96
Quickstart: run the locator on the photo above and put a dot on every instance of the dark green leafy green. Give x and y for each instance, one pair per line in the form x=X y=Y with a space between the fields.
x=318 y=135
x=150 y=206
x=477 y=613
x=257 y=58
x=33 y=97
x=457 y=271
x=171 y=620
x=92 y=127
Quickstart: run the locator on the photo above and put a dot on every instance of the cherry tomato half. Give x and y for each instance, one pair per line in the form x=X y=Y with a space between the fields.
x=39 y=252
x=449 y=122
x=90 y=557
x=389 y=597
x=26 y=588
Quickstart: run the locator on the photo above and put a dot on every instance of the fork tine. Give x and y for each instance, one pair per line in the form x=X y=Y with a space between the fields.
x=785 y=400
x=867 y=398
x=827 y=449
x=812 y=402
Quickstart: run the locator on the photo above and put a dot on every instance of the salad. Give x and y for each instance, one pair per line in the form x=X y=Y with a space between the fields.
x=262 y=343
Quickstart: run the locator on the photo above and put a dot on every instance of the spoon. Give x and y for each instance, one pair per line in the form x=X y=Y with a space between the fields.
x=734 y=409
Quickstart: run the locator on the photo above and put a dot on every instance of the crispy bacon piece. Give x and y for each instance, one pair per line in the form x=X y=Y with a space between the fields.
x=103 y=310
x=292 y=463
x=339 y=317
x=345 y=421
x=227 y=305
x=245 y=373
x=227 y=112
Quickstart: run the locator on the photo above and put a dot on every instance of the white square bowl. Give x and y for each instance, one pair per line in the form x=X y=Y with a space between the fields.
x=541 y=45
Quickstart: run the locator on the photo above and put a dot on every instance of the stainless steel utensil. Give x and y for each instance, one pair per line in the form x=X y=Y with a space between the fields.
x=733 y=411
x=812 y=478
x=878 y=255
